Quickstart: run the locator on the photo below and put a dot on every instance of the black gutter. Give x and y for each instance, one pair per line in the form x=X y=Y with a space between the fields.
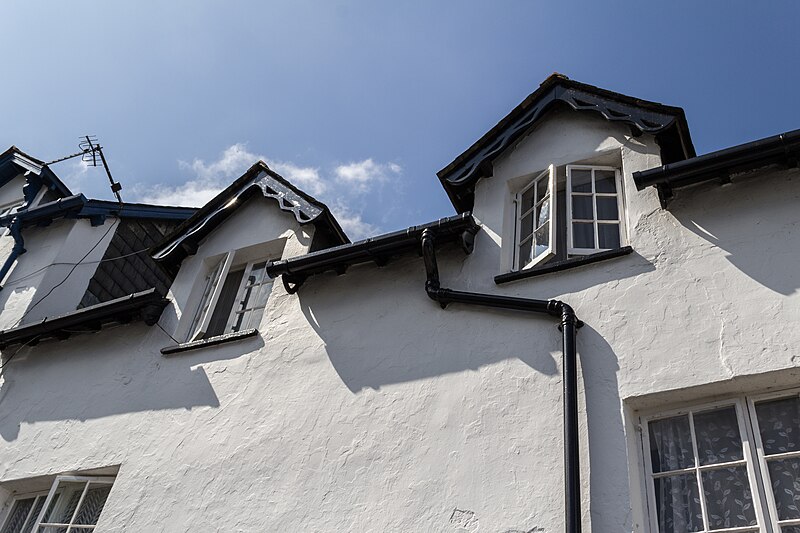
x=719 y=165
x=146 y=305
x=459 y=228
x=569 y=327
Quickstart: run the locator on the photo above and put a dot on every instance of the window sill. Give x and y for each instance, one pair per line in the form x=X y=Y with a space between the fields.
x=566 y=264
x=213 y=341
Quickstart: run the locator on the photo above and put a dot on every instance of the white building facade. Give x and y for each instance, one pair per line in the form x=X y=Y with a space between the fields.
x=244 y=367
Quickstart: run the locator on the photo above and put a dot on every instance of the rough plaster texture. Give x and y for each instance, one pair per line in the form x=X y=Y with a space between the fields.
x=363 y=406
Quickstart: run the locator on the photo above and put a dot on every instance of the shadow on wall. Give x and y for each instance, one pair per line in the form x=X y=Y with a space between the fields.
x=608 y=480
x=104 y=374
x=755 y=220
x=391 y=332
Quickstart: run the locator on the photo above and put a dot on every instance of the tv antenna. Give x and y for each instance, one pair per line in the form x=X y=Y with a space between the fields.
x=92 y=154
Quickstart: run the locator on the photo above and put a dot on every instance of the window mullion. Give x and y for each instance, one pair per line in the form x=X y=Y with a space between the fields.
x=700 y=490
x=77 y=507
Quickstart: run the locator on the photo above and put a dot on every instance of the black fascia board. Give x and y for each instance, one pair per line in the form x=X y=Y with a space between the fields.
x=458 y=228
x=667 y=123
x=13 y=161
x=78 y=206
x=145 y=305
x=777 y=149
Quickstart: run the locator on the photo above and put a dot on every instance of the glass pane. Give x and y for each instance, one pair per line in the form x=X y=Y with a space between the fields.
x=542 y=240
x=785 y=478
x=52 y=529
x=258 y=272
x=63 y=505
x=678 y=504
x=582 y=235
x=541 y=187
x=526 y=202
x=608 y=234
x=16 y=517
x=35 y=514
x=526 y=227
x=92 y=504
x=543 y=212
x=790 y=529
x=581 y=180
x=729 y=502
x=779 y=425
x=263 y=294
x=582 y=207
x=225 y=303
x=718 y=439
x=525 y=253
x=607 y=208
x=671 y=444
x=605 y=181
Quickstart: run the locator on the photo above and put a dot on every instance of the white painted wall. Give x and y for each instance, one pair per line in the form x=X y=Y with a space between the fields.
x=363 y=406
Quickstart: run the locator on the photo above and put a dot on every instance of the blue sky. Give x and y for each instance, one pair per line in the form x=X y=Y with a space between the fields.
x=360 y=103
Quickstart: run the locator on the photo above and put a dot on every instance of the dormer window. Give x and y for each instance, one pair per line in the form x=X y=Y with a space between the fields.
x=563 y=212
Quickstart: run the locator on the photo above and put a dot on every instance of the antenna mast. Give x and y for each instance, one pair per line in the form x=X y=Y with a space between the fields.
x=90 y=150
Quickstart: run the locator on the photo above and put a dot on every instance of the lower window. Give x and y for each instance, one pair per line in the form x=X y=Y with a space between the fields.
x=732 y=466
x=73 y=505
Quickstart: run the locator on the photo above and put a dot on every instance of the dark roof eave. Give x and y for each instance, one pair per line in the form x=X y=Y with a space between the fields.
x=782 y=149
x=146 y=305
x=459 y=228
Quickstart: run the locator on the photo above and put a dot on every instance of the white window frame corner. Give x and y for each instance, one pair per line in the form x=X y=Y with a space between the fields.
x=550 y=252
x=621 y=210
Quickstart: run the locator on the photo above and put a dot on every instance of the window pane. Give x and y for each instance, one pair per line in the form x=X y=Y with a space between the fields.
x=605 y=181
x=790 y=529
x=582 y=207
x=526 y=227
x=607 y=208
x=785 y=478
x=608 y=234
x=541 y=187
x=52 y=529
x=542 y=240
x=17 y=516
x=92 y=504
x=729 y=502
x=718 y=439
x=526 y=202
x=678 y=504
x=63 y=505
x=525 y=253
x=581 y=180
x=263 y=294
x=779 y=425
x=582 y=235
x=222 y=311
x=671 y=444
x=35 y=514
x=543 y=212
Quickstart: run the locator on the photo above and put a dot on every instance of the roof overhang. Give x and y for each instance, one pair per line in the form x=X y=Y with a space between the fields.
x=783 y=149
x=186 y=238
x=146 y=305
x=459 y=229
x=668 y=124
x=14 y=161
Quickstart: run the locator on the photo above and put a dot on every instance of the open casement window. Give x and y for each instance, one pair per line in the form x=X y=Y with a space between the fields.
x=535 y=221
x=233 y=298
x=594 y=209
x=73 y=505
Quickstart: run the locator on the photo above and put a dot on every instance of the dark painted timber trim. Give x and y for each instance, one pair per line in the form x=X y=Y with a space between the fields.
x=146 y=305
x=565 y=264
x=213 y=341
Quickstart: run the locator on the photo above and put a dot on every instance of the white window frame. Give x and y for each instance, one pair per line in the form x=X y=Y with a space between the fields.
x=212 y=289
x=55 y=491
x=763 y=459
x=573 y=250
x=30 y=518
x=550 y=175
x=252 y=322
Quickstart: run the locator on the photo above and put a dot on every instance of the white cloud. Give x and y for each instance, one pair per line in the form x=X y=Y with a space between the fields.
x=209 y=178
x=363 y=175
x=75 y=175
x=353 y=225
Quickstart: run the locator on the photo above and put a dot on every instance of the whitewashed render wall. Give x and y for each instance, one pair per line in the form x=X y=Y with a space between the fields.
x=363 y=406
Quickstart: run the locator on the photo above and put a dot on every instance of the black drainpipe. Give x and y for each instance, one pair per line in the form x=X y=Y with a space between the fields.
x=569 y=327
